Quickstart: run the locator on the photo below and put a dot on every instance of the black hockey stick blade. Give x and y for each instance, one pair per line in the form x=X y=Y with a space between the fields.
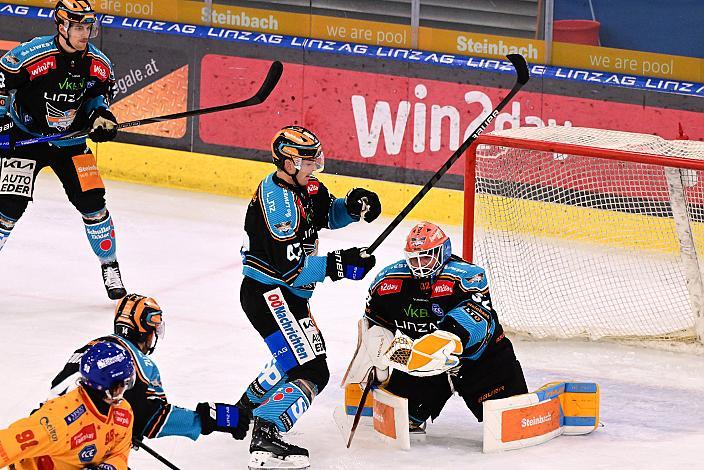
x=272 y=78
x=141 y=445
x=358 y=414
x=522 y=77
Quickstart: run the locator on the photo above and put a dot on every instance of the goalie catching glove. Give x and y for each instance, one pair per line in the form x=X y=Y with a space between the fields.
x=431 y=354
x=223 y=418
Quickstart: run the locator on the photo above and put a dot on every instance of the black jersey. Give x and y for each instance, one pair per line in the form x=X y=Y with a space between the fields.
x=51 y=90
x=281 y=239
x=457 y=300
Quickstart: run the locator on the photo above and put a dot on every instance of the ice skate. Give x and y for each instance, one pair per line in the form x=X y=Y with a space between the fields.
x=268 y=451
x=113 y=280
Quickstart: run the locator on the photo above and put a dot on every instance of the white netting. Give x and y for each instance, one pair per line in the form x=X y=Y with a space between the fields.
x=586 y=246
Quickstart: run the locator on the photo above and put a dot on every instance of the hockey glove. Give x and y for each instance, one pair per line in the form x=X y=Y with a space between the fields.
x=103 y=125
x=352 y=263
x=222 y=417
x=363 y=204
x=432 y=354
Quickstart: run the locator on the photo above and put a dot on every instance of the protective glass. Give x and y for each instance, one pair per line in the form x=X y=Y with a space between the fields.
x=424 y=263
x=116 y=393
x=317 y=162
x=91 y=27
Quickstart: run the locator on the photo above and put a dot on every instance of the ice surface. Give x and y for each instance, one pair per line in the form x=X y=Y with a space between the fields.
x=183 y=249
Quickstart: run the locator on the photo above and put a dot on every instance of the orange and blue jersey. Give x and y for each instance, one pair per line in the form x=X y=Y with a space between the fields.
x=69 y=433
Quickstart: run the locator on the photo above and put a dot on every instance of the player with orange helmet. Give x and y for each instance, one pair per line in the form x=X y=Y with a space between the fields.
x=54 y=85
x=138 y=325
x=433 y=312
x=281 y=268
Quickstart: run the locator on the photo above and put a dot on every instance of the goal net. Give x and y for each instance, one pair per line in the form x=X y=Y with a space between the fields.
x=588 y=232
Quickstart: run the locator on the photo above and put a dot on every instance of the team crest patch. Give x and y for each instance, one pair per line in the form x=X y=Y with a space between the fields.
x=283 y=227
x=10 y=59
x=87 y=453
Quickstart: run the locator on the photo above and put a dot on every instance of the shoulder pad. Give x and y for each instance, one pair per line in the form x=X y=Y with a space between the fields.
x=470 y=276
x=27 y=52
x=391 y=277
x=100 y=65
x=279 y=209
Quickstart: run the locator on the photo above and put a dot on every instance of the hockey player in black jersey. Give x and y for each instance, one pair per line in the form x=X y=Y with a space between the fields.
x=433 y=323
x=281 y=267
x=139 y=324
x=49 y=85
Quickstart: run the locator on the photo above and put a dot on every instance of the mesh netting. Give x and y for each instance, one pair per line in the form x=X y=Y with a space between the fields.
x=585 y=246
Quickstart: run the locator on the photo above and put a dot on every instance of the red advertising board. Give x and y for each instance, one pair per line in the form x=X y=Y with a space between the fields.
x=397 y=121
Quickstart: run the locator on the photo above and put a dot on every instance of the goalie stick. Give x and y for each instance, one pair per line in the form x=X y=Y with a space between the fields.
x=272 y=78
x=522 y=77
x=141 y=445
x=358 y=414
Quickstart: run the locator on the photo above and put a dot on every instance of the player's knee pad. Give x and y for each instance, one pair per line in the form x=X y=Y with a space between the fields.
x=288 y=402
x=89 y=202
x=315 y=372
x=101 y=234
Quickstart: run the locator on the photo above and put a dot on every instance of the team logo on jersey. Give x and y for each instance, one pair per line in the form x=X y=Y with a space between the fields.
x=10 y=59
x=75 y=414
x=313 y=187
x=58 y=119
x=41 y=68
x=477 y=278
x=283 y=227
x=87 y=453
x=122 y=417
x=86 y=434
x=442 y=288
x=389 y=286
x=99 y=70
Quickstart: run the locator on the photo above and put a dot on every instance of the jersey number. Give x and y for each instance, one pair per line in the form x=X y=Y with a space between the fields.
x=26 y=439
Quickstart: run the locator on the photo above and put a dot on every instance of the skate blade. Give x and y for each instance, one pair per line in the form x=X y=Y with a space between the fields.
x=268 y=461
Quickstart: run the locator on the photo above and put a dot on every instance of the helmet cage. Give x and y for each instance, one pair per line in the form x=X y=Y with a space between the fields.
x=426 y=263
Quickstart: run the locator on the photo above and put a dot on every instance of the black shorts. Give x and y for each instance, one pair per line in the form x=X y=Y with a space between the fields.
x=495 y=375
x=75 y=166
x=284 y=322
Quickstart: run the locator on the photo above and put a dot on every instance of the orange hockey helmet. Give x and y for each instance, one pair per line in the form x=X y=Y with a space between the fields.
x=76 y=11
x=136 y=317
x=297 y=143
x=427 y=249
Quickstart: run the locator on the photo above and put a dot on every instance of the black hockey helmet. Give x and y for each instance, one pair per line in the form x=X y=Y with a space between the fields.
x=136 y=317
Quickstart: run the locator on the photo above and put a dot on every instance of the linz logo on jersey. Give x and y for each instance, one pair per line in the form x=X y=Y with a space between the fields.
x=390 y=286
x=84 y=435
x=122 y=417
x=313 y=187
x=442 y=288
x=41 y=68
x=99 y=69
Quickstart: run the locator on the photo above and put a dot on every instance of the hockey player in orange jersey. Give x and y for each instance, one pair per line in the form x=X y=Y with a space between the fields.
x=89 y=427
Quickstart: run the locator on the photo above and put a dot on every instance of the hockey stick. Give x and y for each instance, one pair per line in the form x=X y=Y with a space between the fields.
x=141 y=445
x=358 y=414
x=272 y=78
x=519 y=63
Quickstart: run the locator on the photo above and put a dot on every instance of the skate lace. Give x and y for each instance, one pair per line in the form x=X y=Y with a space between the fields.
x=112 y=278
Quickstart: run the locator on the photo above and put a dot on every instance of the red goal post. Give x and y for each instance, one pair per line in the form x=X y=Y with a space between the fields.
x=589 y=232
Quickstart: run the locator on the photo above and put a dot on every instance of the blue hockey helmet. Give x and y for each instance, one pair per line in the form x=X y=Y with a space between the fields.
x=105 y=366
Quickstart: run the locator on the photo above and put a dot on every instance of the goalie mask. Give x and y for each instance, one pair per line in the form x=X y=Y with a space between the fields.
x=73 y=14
x=299 y=145
x=137 y=317
x=427 y=250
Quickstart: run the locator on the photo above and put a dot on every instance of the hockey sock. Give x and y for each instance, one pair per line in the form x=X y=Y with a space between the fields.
x=101 y=234
x=288 y=402
x=264 y=385
x=6 y=226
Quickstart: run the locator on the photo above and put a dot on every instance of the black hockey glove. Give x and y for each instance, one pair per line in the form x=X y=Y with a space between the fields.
x=352 y=263
x=222 y=417
x=103 y=125
x=363 y=204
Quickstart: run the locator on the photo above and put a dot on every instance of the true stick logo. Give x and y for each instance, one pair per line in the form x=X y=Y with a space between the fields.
x=289 y=326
